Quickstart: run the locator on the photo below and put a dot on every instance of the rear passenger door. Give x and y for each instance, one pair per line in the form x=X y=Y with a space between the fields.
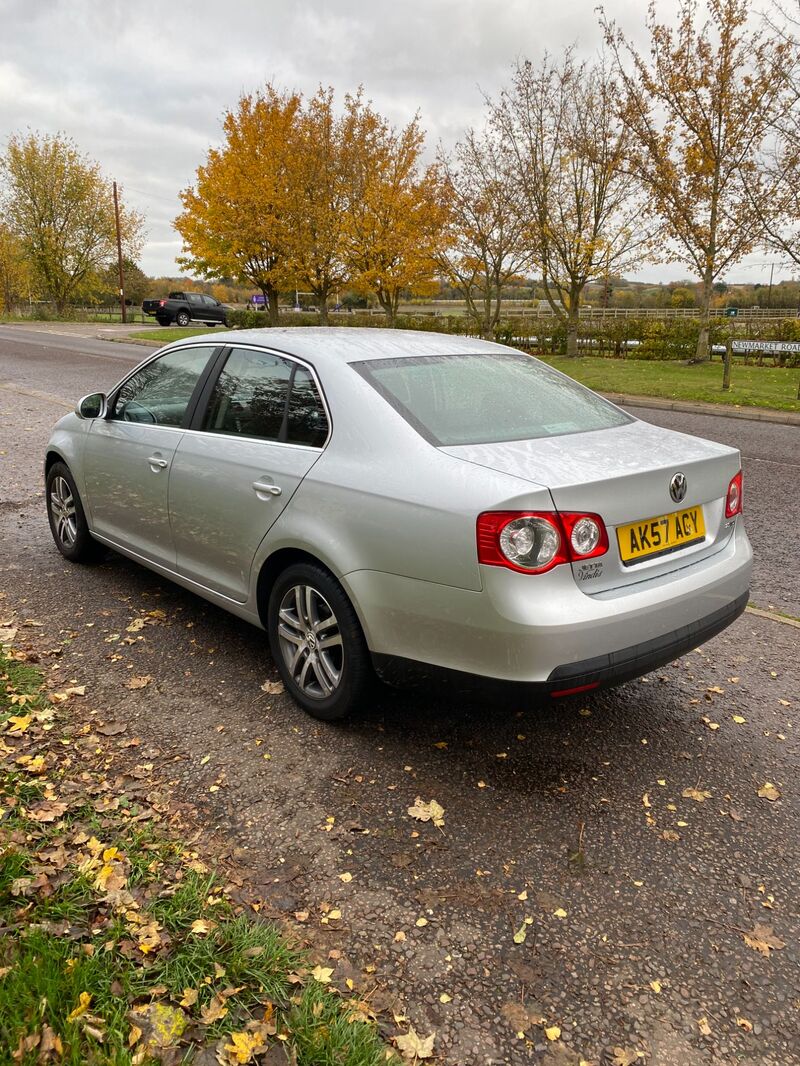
x=259 y=428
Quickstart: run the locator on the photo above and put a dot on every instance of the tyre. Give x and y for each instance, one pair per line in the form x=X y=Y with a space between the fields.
x=67 y=518
x=317 y=643
x=182 y=318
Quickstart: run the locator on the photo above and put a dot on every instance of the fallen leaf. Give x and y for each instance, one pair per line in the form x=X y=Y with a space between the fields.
x=743 y=1023
x=322 y=974
x=346 y=877
x=670 y=834
x=201 y=926
x=273 y=688
x=763 y=939
x=18 y=723
x=420 y=922
x=559 y=913
x=739 y=719
x=769 y=792
x=427 y=812
x=189 y=997
x=521 y=933
x=444 y=998
x=215 y=1010
x=696 y=794
x=413 y=1047
x=84 y=1001
x=523 y=895
x=552 y=1032
x=703 y=1026
x=625 y=1057
x=138 y=682
x=48 y=811
x=245 y=1046
x=656 y=987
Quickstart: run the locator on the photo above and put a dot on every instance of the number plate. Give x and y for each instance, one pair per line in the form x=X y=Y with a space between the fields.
x=661 y=535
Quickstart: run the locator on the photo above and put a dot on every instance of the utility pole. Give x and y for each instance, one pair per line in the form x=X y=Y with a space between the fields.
x=119 y=257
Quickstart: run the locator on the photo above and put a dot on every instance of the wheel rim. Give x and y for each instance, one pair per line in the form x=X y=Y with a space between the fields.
x=62 y=508
x=310 y=642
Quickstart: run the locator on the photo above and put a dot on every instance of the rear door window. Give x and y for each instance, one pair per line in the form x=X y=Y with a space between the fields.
x=264 y=395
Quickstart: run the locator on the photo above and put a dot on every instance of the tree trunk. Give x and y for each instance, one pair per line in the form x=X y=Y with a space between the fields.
x=572 y=331
x=271 y=293
x=703 y=352
x=322 y=301
x=726 y=372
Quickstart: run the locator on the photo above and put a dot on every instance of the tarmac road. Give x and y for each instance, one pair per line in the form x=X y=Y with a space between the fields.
x=639 y=895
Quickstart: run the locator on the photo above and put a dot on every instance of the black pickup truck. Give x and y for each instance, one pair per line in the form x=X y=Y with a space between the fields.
x=185 y=307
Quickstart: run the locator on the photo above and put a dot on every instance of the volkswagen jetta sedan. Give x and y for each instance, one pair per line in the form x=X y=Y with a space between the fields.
x=389 y=500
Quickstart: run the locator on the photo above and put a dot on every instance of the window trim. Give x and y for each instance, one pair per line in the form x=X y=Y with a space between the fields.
x=213 y=372
x=214 y=350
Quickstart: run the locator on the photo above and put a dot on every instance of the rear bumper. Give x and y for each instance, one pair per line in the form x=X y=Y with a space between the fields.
x=544 y=630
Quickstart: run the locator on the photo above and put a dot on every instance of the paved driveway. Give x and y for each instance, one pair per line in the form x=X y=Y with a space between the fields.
x=626 y=827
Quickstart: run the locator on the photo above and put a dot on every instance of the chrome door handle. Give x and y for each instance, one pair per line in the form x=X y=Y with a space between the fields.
x=264 y=488
x=154 y=461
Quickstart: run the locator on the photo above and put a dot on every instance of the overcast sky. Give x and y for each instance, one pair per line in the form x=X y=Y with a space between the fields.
x=141 y=86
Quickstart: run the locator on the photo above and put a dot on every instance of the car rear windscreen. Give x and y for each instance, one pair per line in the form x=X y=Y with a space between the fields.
x=487 y=398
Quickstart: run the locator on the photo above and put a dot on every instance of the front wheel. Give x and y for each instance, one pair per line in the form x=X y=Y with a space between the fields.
x=182 y=318
x=67 y=518
x=317 y=642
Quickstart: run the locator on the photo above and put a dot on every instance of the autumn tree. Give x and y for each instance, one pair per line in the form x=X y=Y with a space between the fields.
x=60 y=205
x=488 y=241
x=15 y=273
x=396 y=216
x=697 y=112
x=569 y=160
x=235 y=218
x=319 y=195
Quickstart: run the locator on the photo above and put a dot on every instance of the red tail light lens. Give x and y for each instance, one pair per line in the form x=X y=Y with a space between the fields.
x=533 y=542
x=734 y=499
x=162 y=303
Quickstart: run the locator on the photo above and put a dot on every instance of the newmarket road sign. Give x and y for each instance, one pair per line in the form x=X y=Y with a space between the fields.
x=765 y=346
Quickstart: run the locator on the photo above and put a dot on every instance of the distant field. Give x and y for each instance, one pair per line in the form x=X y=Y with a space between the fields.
x=751 y=386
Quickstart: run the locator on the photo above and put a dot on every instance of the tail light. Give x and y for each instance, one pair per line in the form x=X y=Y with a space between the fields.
x=162 y=303
x=734 y=499
x=533 y=542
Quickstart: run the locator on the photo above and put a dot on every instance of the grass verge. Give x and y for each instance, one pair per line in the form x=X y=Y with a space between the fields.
x=167 y=335
x=751 y=386
x=118 y=944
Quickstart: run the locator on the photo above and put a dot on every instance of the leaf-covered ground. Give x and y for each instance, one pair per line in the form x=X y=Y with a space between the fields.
x=118 y=942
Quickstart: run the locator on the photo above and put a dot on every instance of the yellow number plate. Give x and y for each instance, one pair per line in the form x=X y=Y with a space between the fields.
x=661 y=535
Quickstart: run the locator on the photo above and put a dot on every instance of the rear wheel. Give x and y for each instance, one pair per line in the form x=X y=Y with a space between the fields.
x=182 y=318
x=317 y=642
x=67 y=518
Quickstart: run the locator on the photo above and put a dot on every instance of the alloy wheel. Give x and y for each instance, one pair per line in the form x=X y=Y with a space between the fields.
x=310 y=641
x=62 y=508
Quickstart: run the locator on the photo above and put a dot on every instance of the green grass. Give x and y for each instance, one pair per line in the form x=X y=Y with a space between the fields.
x=63 y=936
x=751 y=386
x=168 y=334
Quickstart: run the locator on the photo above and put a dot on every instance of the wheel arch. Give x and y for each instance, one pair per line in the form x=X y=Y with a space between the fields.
x=278 y=561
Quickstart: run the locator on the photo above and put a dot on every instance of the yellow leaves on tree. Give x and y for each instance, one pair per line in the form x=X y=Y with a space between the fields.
x=235 y=217
x=300 y=196
x=60 y=206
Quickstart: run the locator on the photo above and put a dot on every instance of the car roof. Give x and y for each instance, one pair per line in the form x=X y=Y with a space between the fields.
x=330 y=345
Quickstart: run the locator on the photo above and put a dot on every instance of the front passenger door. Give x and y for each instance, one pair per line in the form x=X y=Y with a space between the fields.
x=262 y=430
x=128 y=454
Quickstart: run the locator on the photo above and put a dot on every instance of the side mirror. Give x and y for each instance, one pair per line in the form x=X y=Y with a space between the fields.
x=92 y=406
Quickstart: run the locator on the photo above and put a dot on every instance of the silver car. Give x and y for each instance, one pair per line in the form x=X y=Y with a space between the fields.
x=392 y=501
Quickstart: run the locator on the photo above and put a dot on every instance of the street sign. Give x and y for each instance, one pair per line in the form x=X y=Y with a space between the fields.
x=765 y=346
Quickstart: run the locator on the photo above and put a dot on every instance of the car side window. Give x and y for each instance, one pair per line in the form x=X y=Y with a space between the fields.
x=249 y=398
x=209 y=301
x=307 y=422
x=194 y=298
x=160 y=392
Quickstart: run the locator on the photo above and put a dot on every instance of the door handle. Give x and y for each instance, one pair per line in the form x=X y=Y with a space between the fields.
x=264 y=488
x=157 y=464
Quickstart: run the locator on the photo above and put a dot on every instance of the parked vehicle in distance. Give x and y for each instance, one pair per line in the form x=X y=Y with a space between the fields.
x=182 y=308
x=399 y=500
